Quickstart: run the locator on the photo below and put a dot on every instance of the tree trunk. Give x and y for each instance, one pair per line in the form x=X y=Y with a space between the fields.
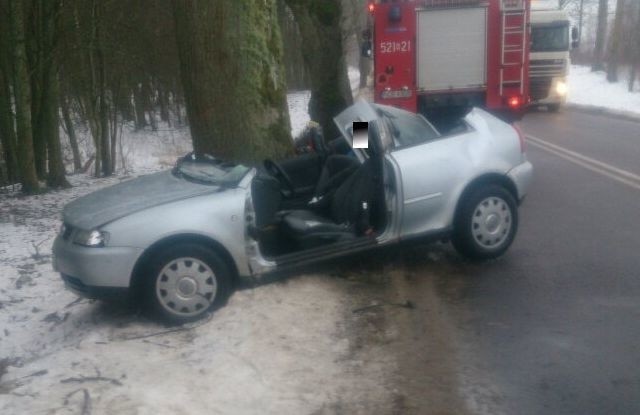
x=21 y=90
x=162 y=100
x=319 y=24
x=46 y=68
x=635 y=53
x=138 y=102
x=36 y=66
x=71 y=132
x=7 y=128
x=56 y=176
x=616 y=41
x=231 y=66
x=601 y=34
x=113 y=124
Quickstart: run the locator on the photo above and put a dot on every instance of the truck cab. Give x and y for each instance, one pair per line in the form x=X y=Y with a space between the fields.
x=549 y=58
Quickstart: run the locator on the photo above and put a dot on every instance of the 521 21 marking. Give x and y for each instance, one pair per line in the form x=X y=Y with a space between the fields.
x=392 y=47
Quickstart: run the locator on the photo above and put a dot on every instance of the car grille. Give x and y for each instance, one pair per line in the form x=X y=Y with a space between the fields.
x=547 y=67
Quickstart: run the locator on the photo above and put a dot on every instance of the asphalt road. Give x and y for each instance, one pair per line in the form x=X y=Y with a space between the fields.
x=553 y=327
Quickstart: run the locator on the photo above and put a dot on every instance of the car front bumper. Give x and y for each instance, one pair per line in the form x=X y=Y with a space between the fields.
x=94 y=272
x=521 y=175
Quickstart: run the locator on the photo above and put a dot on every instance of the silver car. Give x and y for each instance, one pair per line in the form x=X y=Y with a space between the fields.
x=180 y=238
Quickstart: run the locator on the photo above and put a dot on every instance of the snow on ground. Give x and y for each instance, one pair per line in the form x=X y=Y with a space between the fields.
x=281 y=348
x=592 y=89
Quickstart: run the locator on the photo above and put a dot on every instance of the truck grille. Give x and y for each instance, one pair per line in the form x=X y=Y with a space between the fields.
x=547 y=67
x=539 y=88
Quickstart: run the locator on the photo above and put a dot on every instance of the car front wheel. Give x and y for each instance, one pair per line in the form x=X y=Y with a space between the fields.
x=486 y=223
x=185 y=282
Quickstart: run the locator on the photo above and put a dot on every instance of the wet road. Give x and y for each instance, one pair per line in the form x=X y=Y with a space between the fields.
x=553 y=327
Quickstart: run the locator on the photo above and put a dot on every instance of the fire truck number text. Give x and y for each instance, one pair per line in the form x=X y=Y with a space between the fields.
x=392 y=47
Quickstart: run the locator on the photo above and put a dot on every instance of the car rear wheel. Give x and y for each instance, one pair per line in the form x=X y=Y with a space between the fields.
x=486 y=223
x=185 y=282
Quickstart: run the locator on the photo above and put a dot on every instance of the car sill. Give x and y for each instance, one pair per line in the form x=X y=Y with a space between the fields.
x=324 y=252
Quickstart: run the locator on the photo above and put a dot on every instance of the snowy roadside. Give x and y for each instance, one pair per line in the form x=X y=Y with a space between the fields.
x=281 y=348
x=591 y=90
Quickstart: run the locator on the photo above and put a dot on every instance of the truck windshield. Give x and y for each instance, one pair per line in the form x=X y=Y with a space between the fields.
x=550 y=38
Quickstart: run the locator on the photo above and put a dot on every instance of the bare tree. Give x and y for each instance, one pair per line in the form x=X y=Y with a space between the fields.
x=7 y=128
x=320 y=26
x=601 y=34
x=21 y=91
x=616 y=42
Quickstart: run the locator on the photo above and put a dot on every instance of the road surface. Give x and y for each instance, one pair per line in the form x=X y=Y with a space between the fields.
x=553 y=327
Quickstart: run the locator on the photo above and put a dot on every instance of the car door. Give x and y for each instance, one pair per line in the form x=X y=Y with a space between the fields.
x=431 y=174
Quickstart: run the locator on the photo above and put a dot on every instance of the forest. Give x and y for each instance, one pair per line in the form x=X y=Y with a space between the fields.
x=222 y=68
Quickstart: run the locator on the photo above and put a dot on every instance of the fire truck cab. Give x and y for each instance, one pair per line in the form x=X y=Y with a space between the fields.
x=442 y=57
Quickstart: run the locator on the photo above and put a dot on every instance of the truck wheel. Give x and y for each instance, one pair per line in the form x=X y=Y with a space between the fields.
x=186 y=281
x=486 y=223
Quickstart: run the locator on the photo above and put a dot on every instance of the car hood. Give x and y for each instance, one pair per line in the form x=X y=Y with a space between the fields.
x=107 y=205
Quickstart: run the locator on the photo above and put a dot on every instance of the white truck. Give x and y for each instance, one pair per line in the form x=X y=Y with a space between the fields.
x=549 y=61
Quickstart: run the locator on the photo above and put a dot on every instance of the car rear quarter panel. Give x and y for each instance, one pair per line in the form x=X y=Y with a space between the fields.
x=218 y=216
x=434 y=175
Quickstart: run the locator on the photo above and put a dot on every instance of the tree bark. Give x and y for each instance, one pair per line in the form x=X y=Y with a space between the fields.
x=21 y=90
x=616 y=41
x=601 y=34
x=230 y=54
x=319 y=24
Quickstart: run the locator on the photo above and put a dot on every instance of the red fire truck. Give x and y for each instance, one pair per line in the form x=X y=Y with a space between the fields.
x=441 y=57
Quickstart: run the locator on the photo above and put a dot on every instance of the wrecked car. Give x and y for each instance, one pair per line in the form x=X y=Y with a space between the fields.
x=180 y=238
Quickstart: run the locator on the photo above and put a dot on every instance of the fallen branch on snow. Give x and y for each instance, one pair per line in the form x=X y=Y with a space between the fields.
x=407 y=304
x=83 y=379
x=161 y=333
x=36 y=246
x=86 y=402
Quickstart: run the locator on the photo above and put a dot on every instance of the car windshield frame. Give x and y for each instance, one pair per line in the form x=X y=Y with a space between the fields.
x=392 y=117
x=210 y=170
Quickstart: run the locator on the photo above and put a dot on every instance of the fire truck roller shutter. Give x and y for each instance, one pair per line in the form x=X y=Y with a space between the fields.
x=452 y=59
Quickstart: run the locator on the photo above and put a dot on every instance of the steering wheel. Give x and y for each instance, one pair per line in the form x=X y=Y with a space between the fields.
x=278 y=172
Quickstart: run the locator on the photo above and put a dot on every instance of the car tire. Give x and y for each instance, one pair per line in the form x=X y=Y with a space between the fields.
x=184 y=282
x=486 y=223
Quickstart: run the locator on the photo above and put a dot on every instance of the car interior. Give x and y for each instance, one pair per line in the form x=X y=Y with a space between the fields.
x=318 y=198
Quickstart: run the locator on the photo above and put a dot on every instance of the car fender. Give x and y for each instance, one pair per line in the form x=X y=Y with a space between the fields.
x=217 y=217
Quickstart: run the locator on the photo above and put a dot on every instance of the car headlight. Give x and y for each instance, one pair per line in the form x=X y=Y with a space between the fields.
x=92 y=238
x=562 y=88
